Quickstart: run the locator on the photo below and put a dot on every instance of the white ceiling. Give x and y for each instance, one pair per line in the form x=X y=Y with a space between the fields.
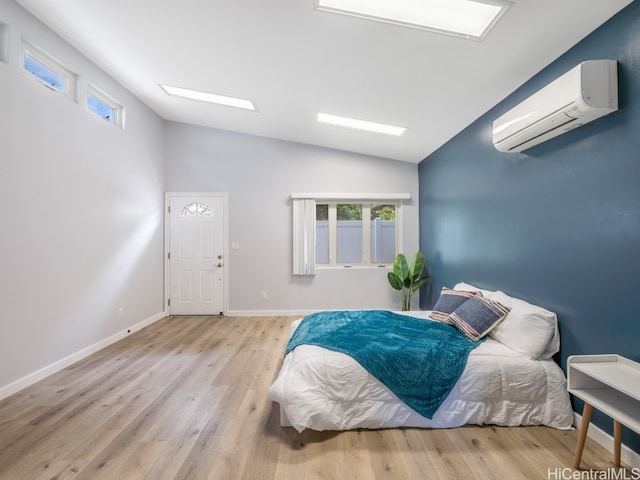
x=294 y=61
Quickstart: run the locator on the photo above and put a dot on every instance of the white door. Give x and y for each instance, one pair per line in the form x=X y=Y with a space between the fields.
x=196 y=254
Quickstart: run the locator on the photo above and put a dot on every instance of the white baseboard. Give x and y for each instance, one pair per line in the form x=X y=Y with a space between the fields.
x=270 y=313
x=34 y=377
x=287 y=313
x=602 y=438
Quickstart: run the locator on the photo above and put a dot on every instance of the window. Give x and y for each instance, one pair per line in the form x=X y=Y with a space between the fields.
x=384 y=233
x=345 y=230
x=351 y=233
x=196 y=209
x=48 y=72
x=103 y=105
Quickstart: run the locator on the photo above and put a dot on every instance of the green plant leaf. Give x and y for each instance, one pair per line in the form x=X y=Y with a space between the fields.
x=416 y=286
x=394 y=281
x=417 y=266
x=400 y=267
x=407 y=278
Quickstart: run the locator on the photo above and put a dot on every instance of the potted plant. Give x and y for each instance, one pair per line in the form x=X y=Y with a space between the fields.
x=407 y=278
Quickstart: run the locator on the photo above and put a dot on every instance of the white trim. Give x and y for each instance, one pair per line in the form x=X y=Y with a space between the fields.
x=283 y=313
x=34 y=377
x=355 y=266
x=116 y=107
x=271 y=313
x=353 y=196
x=602 y=438
x=42 y=57
x=225 y=241
x=366 y=227
x=332 y=217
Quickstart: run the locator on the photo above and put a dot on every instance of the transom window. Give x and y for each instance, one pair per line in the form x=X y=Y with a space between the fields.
x=48 y=71
x=196 y=209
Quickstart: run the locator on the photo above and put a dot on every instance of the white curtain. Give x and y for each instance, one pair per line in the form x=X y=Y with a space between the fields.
x=304 y=236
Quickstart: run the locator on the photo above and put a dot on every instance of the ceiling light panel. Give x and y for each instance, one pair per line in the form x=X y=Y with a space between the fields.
x=466 y=18
x=361 y=124
x=209 y=97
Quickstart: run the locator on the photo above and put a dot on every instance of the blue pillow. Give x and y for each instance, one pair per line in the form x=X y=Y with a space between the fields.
x=477 y=316
x=448 y=302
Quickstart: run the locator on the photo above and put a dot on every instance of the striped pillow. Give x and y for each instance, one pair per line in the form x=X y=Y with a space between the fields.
x=448 y=302
x=477 y=316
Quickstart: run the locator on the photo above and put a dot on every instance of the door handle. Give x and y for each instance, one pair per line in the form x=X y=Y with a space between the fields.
x=218 y=265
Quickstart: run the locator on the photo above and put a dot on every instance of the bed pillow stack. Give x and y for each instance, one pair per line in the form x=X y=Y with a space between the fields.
x=528 y=329
x=447 y=303
x=469 y=311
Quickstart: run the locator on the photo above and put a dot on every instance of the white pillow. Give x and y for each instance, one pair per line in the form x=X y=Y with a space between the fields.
x=466 y=287
x=527 y=329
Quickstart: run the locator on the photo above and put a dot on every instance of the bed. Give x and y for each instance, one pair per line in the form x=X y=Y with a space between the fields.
x=509 y=377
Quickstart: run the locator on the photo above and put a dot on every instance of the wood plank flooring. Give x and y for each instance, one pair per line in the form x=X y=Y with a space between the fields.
x=185 y=398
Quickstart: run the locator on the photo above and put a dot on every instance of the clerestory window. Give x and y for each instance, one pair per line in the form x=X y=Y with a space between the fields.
x=103 y=105
x=48 y=71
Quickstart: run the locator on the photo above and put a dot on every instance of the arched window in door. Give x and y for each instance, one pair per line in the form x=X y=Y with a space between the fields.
x=196 y=209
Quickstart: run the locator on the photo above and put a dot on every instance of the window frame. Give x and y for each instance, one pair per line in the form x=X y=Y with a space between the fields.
x=366 y=233
x=115 y=106
x=305 y=226
x=46 y=60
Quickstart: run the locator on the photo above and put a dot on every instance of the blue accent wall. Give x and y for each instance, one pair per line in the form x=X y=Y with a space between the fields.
x=557 y=225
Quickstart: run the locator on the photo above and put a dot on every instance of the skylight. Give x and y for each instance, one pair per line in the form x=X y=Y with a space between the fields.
x=209 y=97
x=361 y=124
x=466 y=18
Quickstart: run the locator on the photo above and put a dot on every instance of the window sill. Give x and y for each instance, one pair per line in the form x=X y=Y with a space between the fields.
x=354 y=267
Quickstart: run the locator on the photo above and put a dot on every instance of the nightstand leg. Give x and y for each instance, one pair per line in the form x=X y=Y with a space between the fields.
x=584 y=426
x=617 y=442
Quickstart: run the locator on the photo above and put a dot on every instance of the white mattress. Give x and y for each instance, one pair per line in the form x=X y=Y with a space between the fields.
x=324 y=390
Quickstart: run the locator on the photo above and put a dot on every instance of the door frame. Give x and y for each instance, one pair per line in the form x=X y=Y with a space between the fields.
x=225 y=243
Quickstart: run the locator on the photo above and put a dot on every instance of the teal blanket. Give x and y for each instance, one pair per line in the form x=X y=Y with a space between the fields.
x=418 y=360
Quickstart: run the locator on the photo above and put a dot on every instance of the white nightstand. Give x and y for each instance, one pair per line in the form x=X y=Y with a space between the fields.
x=611 y=384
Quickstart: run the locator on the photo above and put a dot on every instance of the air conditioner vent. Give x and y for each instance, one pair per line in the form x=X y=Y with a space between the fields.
x=583 y=94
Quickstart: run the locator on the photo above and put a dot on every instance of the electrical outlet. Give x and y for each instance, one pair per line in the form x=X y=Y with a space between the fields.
x=121 y=312
x=263 y=295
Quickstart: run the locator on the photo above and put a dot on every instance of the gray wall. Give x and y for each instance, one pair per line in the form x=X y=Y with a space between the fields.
x=557 y=225
x=82 y=210
x=259 y=175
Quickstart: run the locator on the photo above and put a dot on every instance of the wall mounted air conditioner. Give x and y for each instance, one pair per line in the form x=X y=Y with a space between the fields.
x=584 y=93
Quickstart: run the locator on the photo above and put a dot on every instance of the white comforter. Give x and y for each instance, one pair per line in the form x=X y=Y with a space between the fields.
x=324 y=390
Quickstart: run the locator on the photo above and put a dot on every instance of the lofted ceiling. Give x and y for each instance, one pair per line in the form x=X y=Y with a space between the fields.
x=293 y=61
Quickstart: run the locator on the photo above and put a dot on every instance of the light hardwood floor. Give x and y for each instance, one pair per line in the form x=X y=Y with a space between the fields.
x=185 y=398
